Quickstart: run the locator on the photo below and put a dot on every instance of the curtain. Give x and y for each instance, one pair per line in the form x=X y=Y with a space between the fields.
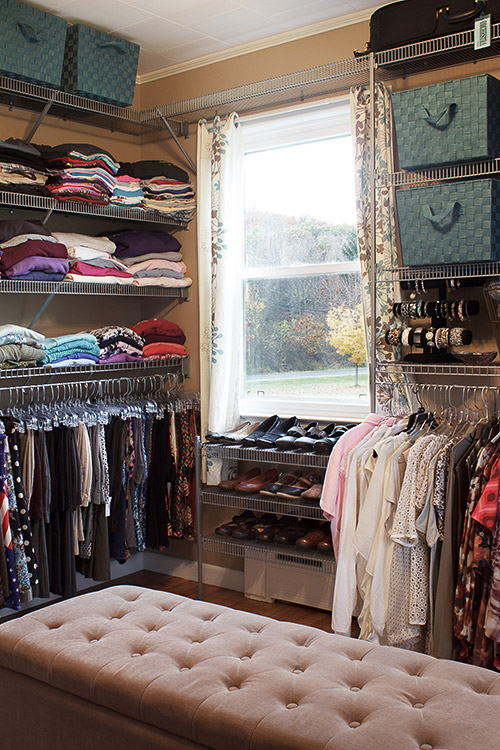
x=220 y=225
x=386 y=237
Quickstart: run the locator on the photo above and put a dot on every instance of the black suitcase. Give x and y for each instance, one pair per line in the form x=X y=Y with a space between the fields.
x=402 y=23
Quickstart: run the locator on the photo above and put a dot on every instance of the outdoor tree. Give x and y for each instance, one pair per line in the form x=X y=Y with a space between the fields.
x=346 y=333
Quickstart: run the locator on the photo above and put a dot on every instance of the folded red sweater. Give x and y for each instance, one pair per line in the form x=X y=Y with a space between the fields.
x=156 y=325
x=150 y=350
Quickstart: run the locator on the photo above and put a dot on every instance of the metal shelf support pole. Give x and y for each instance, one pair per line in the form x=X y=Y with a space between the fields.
x=199 y=546
x=373 y=242
x=179 y=144
x=41 y=118
x=41 y=310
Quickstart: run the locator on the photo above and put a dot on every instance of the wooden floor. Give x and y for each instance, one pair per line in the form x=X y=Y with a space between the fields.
x=278 y=610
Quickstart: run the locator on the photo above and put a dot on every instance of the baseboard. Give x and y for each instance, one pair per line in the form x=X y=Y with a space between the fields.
x=188 y=569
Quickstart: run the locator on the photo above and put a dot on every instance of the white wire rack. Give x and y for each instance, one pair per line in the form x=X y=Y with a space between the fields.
x=262 y=504
x=452 y=271
x=47 y=203
x=265 y=455
x=282 y=555
x=98 y=372
x=439 y=174
x=8 y=286
x=34 y=97
x=459 y=370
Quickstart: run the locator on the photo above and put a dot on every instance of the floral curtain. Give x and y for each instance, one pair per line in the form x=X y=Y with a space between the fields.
x=386 y=234
x=220 y=225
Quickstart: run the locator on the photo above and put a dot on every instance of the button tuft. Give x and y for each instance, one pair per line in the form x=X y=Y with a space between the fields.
x=233 y=687
x=136 y=654
x=354 y=724
x=298 y=671
x=245 y=658
x=94 y=640
x=418 y=705
x=292 y=705
x=426 y=746
x=184 y=669
x=355 y=689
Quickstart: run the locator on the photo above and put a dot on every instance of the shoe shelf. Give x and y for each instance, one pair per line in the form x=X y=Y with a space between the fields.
x=266 y=455
x=261 y=503
x=275 y=553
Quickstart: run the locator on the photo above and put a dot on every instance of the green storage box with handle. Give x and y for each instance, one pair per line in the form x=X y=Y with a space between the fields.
x=99 y=65
x=457 y=222
x=449 y=122
x=31 y=43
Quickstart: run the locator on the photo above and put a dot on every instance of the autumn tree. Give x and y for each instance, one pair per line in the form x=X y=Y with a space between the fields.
x=346 y=333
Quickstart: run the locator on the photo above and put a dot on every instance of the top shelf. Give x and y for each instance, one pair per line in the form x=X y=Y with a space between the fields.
x=34 y=97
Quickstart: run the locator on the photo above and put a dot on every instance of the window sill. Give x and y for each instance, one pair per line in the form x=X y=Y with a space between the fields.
x=322 y=412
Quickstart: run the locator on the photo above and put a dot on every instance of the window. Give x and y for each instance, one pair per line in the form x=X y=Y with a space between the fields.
x=303 y=336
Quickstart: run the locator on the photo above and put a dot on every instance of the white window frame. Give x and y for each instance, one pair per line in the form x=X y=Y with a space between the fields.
x=304 y=408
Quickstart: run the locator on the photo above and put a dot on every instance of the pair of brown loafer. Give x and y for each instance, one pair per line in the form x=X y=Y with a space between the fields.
x=250 y=482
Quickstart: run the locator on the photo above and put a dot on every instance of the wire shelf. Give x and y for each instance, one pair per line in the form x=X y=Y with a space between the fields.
x=99 y=371
x=275 y=553
x=33 y=97
x=322 y=80
x=444 y=51
x=443 y=173
x=8 y=286
x=265 y=455
x=452 y=271
x=458 y=369
x=262 y=504
x=110 y=211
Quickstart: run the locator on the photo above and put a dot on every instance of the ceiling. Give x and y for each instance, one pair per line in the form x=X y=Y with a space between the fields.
x=173 y=33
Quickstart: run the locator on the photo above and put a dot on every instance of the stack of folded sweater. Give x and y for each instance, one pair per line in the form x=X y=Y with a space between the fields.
x=118 y=344
x=21 y=167
x=127 y=191
x=167 y=188
x=30 y=253
x=20 y=347
x=92 y=259
x=73 y=349
x=163 y=339
x=80 y=172
x=152 y=257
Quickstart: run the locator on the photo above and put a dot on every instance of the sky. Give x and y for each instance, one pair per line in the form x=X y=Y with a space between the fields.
x=314 y=179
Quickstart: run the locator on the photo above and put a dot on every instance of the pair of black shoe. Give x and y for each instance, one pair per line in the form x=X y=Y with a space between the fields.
x=312 y=437
x=269 y=431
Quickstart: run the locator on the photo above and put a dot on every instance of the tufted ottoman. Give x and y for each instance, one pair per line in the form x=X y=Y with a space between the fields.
x=133 y=669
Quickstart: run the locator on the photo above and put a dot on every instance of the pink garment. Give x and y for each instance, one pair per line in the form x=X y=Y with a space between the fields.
x=332 y=495
x=153 y=264
x=86 y=269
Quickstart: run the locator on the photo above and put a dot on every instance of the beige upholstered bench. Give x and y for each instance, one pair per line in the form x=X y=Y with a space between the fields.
x=133 y=669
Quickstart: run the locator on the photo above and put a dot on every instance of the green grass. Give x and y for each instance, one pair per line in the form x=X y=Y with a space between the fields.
x=309 y=385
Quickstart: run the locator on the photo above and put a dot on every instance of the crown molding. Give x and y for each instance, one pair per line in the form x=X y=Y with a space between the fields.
x=270 y=41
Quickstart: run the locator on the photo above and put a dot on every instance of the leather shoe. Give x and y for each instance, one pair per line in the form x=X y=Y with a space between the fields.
x=216 y=437
x=230 y=484
x=294 y=531
x=294 y=491
x=286 y=443
x=307 y=442
x=227 y=528
x=269 y=439
x=314 y=537
x=313 y=493
x=251 y=486
x=261 y=429
x=284 y=479
x=248 y=530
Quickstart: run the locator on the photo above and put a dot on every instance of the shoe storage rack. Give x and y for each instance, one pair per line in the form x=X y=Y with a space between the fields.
x=267 y=567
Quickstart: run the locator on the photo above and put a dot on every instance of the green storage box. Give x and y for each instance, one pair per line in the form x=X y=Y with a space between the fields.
x=448 y=122
x=99 y=65
x=31 y=43
x=450 y=223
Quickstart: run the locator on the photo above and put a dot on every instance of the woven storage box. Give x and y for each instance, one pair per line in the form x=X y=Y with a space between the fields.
x=99 y=65
x=450 y=223
x=448 y=122
x=31 y=43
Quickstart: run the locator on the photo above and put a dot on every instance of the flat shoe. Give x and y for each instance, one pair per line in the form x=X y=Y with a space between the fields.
x=283 y=480
x=294 y=491
x=230 y=484
x=269 y=439
x=261 y=429
x=251 y=486
x=313 y=493
x=287 y=442
x=226 y=529
x=313 y=537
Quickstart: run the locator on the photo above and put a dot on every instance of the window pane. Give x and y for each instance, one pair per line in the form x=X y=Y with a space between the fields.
x=300 y=206
x=305 y=338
